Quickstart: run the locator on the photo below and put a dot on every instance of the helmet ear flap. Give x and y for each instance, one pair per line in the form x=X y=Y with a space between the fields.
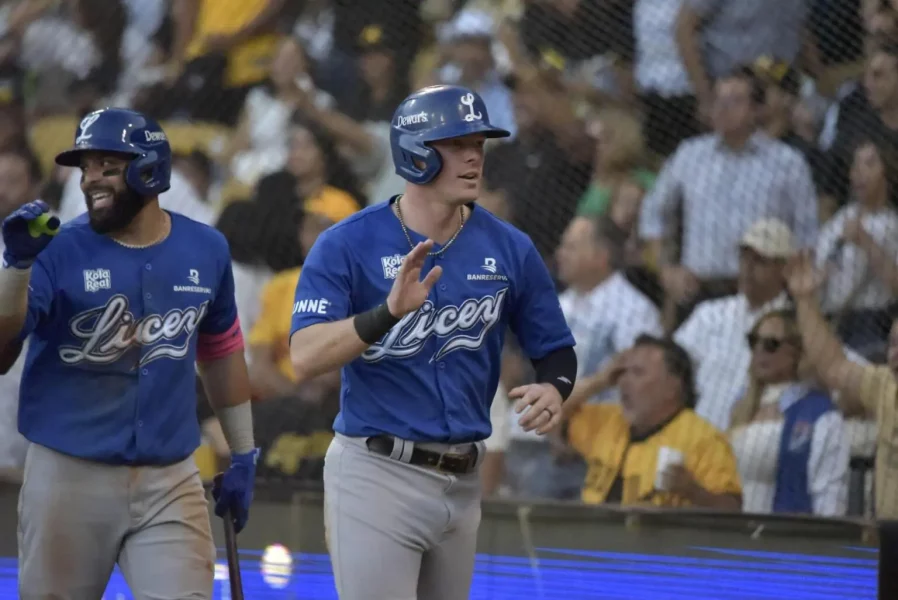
x=413 y=150
x=148 y=175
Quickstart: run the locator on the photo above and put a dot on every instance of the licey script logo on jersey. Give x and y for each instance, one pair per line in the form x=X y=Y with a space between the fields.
x=111 y=330
x=407 y=337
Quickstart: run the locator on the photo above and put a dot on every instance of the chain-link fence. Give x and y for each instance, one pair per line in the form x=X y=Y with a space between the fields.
x=670 y=159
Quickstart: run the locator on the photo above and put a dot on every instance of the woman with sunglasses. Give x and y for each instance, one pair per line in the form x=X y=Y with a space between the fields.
x=788 y=437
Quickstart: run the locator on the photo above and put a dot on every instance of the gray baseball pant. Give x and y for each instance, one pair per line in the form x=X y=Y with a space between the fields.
x=77 y=518
x=397 y=531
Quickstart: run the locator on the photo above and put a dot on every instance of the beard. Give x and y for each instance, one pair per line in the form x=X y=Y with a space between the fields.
x=125 y=206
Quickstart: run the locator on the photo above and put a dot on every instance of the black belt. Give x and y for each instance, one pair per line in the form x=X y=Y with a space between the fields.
x=449 y=462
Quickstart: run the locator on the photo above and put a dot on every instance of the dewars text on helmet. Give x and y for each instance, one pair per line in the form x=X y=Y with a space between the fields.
x=406 y=120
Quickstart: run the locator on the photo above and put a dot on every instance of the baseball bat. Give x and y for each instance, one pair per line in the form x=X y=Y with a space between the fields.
x=45 y=224
x=233 y=558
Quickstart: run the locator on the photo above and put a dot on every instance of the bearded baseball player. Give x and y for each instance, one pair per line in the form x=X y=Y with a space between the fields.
x=420 y=357
x=120 y=305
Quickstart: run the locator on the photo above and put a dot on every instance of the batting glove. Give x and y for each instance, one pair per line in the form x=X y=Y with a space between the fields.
x=21 y=247
x=233 y=489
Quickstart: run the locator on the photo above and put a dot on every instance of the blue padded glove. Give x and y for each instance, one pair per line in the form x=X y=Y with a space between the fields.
x=21 y=248
x=233 y=489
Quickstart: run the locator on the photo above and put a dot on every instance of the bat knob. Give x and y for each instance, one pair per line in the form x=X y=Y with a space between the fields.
x=45 y=224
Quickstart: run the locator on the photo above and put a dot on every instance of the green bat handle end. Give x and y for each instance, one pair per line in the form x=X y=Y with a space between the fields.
x=46 y=224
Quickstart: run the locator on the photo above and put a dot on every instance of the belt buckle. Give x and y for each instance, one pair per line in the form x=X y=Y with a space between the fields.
x=453 y=462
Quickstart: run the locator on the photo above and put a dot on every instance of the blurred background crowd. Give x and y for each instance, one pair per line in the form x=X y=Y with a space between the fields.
x=669 y=158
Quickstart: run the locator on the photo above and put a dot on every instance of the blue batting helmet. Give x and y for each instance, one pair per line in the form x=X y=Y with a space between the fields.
x=126 y=132
x=438 y=112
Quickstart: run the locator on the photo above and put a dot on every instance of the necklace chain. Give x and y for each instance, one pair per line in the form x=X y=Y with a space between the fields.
x=162 y=236
x=461 y=223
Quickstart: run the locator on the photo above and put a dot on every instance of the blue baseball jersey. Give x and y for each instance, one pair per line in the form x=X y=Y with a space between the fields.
x=434 y=375
x=110 y=371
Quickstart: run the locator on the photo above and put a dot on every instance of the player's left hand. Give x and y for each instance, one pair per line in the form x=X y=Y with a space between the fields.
x=544 y=402
x=233 y=489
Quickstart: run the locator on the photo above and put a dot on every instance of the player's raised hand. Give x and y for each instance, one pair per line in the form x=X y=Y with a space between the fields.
x=544 y=402
x=409 y=291
x=25 y=233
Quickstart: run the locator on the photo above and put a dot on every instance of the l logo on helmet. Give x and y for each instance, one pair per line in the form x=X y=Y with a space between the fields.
x=468 y=100
x=86 y=122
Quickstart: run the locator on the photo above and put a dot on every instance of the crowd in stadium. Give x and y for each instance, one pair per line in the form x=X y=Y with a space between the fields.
x=713 y=184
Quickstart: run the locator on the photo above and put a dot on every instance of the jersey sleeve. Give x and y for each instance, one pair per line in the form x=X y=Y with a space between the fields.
x=537 y=319
x=219 y=333
x=323 y=293
x=41 y=290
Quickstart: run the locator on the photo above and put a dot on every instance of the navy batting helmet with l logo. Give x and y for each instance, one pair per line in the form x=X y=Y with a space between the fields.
x=439 y=112
x=130 y=133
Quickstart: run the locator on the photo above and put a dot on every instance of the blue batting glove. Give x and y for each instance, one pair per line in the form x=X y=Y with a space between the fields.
x=21 y=247
x=233 y=489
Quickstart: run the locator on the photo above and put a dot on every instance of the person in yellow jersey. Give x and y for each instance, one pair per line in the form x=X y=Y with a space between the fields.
x=293 y=422
x=227 y=43
x=651 y=447
x=271 y=371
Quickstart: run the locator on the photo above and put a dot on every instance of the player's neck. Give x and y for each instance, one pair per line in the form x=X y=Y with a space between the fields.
x=428 y=217
x=149 y=227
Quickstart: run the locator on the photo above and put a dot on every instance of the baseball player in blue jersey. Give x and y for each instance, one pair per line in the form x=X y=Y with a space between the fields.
x=120 y=305
x=420 y=358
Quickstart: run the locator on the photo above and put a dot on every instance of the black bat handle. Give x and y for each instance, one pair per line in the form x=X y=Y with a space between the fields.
x=233 y=558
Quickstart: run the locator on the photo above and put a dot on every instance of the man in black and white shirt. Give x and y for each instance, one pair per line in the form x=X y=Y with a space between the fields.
x=714 y=334
x=722 y=183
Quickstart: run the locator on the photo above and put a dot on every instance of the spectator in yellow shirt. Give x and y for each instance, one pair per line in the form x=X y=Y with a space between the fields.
x=221 y=49
x=271 y=372
x=652 y=448
x=293 y=423
x=314 y=175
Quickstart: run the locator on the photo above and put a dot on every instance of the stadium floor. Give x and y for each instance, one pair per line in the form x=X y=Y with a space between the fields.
x=707 y=573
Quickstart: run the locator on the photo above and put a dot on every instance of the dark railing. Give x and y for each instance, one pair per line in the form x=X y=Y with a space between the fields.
x=551 y=550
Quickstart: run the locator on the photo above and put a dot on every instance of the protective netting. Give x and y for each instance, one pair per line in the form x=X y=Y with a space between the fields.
x=668 y=158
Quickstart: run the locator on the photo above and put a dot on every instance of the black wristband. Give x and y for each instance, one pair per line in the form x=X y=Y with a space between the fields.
x=559 y=369
x=373 y=324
